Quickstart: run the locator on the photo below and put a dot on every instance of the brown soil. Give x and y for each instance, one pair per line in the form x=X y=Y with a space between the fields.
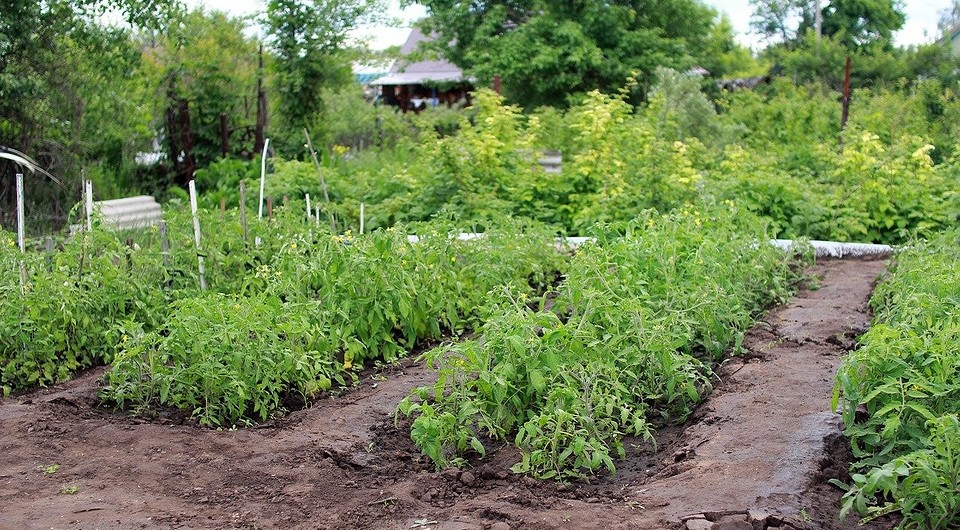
x=757 y=454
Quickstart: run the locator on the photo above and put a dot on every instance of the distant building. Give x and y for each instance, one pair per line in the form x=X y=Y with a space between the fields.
x=414 y=86
x=952 y=38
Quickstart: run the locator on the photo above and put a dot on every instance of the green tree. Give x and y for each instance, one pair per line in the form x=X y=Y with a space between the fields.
x=949 y=18
x=309 y=38
x=546 y=52
x=861 y=22
x=66 y=91
x=206 y=61
x=723 y=57
x=780 y=19
x=855 y=23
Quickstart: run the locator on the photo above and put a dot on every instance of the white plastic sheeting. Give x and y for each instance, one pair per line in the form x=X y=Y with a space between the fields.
x=836 y=249
x=822 y=249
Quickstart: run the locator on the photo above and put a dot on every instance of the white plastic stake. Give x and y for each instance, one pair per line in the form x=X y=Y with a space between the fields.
x=20 y=239
x=20 y=208
x=88 y=195
x=263 y=175
x=196 y=233
x=318 y=214
x=361 y=217
x=309 y=210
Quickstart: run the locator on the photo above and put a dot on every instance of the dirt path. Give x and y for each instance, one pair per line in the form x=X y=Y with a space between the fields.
x=765 y=440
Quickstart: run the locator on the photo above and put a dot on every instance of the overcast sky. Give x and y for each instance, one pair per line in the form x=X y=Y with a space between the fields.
x=921 y=26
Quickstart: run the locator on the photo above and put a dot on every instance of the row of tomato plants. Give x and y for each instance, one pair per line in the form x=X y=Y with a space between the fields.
x=288 y=317
x=899 y=392
x=626 y=344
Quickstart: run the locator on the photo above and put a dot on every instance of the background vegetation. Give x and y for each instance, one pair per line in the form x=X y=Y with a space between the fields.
x=680 y=176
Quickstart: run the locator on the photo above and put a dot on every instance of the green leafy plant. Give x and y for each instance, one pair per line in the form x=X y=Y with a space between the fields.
x=626 y=345
x=904 y=377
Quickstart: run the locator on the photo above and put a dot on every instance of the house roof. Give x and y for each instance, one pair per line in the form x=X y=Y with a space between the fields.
x=950 y=35
x=414 y=73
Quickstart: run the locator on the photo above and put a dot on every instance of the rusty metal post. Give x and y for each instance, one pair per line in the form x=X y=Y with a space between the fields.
x=846 y=95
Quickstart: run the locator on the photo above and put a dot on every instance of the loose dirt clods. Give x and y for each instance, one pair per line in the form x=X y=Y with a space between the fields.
x=756 y=455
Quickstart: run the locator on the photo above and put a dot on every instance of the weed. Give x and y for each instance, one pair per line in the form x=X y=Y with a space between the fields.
x=69 y=490
x=49 y=469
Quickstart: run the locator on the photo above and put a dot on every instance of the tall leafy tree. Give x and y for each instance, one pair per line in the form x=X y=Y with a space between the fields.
x=781 y=20
x=855 y=23
x=863 y=22
x=203 y=63
x=65 y=83
x=308 y=38
x=546 y=51
x=949 y=17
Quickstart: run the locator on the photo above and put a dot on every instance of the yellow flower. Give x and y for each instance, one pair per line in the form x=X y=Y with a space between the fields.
x=293 y=245
x=347 y=365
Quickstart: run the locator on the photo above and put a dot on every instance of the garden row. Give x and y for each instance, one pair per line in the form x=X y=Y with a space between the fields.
x=285 y=318
x=627 y=344
x=905 y=377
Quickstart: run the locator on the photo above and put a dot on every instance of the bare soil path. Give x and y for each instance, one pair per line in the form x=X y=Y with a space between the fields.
x=764 y=441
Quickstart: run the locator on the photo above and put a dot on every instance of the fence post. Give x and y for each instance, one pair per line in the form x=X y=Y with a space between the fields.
x=309 y=210
x=361 y=218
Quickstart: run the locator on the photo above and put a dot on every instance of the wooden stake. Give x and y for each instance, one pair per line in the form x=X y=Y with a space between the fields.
x=48 y=246
x=223 y=206
x=323 y=183
x=130 y=253
x=263 y=176
x=243 y=210
x=196 y=233
x=269 y=207
x=361 y=217
x=309 y=210
x=88 y=192
x=165 y=252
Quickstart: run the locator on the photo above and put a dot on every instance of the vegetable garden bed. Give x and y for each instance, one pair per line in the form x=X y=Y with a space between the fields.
x=342 y=463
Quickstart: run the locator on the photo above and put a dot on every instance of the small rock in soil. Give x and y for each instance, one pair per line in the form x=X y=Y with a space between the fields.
x=451 y=473
x=698 y=524
x=468 y=479
x=500 y=526
x=737 y=522
x=758 y=519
